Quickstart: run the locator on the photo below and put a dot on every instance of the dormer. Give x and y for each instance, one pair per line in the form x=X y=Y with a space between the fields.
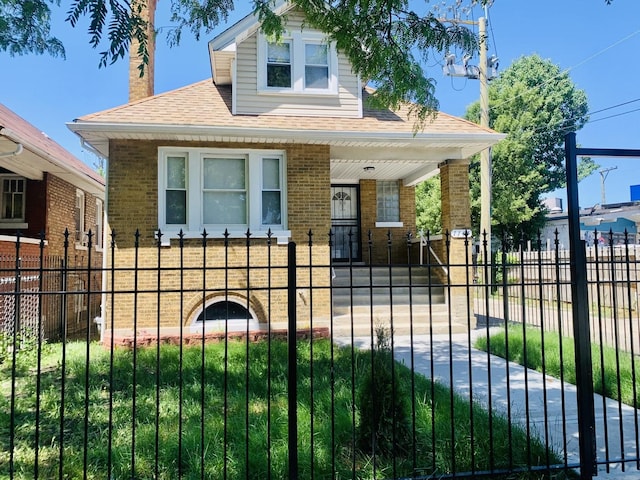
x=301 y=74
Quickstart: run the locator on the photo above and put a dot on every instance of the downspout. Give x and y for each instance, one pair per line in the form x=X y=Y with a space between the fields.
x=105 y=235
x=16 y=152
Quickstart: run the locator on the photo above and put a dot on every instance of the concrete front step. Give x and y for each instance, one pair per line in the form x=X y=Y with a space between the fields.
x=387 y=295
x=420 y=320
x=379 y=276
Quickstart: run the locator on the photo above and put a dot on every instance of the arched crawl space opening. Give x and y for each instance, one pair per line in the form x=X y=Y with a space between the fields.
x=226 y=314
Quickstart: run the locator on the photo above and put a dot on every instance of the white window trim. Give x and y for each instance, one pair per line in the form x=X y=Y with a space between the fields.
x=15 y=223
x=195 y=226
x=298 y=40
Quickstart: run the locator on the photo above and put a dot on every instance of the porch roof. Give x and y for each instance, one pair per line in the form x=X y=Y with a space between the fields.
x=385 y=140
x=29 y=152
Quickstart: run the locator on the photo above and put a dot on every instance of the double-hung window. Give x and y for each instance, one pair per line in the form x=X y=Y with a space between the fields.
x=12 y=199
x=301 y=62
x=279 y=65
x=78 y=214
x=221 y=189
x=316 y=66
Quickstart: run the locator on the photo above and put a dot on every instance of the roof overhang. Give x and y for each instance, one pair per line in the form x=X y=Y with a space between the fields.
x=392 y=154
x=222 y=48
x=32 y=162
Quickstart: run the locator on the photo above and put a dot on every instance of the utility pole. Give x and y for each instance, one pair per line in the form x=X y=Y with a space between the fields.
x=486 y=70
x=485 y=155
x=603 y=176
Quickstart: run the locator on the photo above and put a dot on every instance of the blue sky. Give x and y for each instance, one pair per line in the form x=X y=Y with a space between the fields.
x=596 y=43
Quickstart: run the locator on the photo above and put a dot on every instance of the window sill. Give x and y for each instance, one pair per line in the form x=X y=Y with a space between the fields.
x=280 y=236
x=293 y=93
x=14 y=225
x=389 y=224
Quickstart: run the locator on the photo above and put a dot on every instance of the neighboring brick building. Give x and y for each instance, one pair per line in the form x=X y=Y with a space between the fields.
x=280 y=138
x=44 y=189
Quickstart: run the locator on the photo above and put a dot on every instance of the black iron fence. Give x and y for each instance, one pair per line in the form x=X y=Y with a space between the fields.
x=243 y=358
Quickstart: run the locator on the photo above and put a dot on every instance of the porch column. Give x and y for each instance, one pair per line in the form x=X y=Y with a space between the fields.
x=456 y=215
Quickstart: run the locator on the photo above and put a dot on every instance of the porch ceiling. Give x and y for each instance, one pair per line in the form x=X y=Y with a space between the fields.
x=411 y=165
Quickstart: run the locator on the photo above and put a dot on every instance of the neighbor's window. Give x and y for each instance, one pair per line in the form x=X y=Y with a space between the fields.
x=218 y=189
x=98 y=227
x=388 y=201
x=13 y=198
x=79 y=217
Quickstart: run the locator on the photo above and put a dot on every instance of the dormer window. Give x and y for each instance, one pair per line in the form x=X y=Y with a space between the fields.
x=316 y=65
x=279 y=65
x=301 y=63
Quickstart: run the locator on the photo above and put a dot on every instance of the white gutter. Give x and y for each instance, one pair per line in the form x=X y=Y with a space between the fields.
x=15 y=153
x=277 y=134
x=51 y=159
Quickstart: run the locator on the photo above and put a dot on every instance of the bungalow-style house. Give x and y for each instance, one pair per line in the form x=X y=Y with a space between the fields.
x=44 y=189
x=280 y=139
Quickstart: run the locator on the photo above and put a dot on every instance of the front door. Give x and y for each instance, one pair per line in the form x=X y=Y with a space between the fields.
x=345 y=222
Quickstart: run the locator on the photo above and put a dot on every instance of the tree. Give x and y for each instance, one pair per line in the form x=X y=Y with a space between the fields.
x=385 y=40
x=428 y=207
x=25 y=26
x=535 y=104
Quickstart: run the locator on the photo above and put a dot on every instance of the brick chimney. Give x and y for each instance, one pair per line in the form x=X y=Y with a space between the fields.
x=142 y=87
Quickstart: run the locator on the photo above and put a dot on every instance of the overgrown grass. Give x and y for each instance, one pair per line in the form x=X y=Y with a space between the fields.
x=254 y=425
x=609 y=367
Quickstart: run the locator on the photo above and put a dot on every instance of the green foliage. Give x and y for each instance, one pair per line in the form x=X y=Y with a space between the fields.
x=527 y=344
x=386 y=41
x=428 y=206
x=535 y=104
x=25 y=27
x=384 y=427
x=239 y=387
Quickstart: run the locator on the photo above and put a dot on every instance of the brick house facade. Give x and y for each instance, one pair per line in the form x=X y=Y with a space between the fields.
x=45 y=192
x=307 y=148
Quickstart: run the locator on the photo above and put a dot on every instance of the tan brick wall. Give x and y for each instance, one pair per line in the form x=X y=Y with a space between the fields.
x=133 y=193
x=142 y=87
x=368 y=212
x=456 y=214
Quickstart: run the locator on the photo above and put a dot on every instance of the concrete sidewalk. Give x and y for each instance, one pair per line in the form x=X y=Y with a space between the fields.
x=544 y=398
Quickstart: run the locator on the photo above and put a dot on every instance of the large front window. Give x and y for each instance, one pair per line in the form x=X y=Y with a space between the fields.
x=221 y=189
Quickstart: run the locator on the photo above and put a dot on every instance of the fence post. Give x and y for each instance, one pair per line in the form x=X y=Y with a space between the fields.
x=581 y=327
x=292 y=362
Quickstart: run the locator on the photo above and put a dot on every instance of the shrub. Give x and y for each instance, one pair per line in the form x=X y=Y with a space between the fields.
x=384 y=423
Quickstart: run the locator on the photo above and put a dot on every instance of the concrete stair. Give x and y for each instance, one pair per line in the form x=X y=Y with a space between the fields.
x=364 y=297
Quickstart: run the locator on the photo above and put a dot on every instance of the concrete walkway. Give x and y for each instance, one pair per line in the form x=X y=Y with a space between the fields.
x=502 y=383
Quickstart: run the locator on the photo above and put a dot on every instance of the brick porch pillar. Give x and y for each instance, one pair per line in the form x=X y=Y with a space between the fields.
x=456 y=215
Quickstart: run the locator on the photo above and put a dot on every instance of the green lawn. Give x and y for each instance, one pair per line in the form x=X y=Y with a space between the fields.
x=432 y=416
x=609 y=367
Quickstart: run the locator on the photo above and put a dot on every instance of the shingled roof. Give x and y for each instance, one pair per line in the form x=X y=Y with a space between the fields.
x=36 y=153
x=205 y=109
